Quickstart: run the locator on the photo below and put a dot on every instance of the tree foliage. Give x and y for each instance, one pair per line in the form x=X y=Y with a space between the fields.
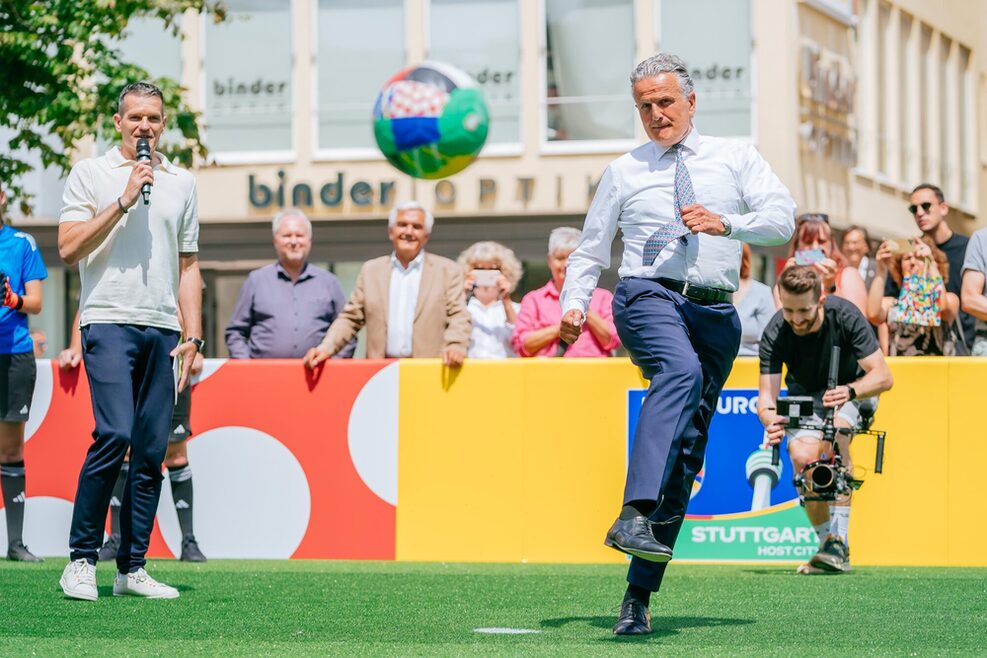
x=61 y=71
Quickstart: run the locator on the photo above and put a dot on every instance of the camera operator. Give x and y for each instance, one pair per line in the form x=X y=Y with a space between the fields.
x=801 y=337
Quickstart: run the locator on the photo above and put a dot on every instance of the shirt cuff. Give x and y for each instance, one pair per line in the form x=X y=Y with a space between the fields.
x=574 y=305
x=736 y=225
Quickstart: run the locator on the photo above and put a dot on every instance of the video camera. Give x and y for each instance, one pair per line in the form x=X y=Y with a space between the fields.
x=825 y=479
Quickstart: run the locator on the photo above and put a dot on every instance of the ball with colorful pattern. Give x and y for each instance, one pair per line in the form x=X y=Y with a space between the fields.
x=431 y=120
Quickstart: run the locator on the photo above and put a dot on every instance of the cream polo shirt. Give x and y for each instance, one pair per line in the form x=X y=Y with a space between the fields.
x=132 y=278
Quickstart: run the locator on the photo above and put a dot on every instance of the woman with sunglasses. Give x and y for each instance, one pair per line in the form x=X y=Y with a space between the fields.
x=918 y=317
x=813 y=245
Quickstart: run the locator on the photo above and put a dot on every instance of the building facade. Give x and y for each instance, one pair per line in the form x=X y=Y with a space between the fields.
x=852 y=102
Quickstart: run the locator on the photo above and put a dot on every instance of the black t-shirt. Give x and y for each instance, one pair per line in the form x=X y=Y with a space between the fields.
x=807 y=357
x=955 y=250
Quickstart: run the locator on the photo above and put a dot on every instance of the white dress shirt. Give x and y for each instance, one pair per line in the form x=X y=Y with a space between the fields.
x=491 y=336
x=636 y=194
x=402 y=299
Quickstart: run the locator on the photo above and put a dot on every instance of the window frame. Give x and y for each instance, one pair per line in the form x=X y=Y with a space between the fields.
x=276 y=156
x=577 y=146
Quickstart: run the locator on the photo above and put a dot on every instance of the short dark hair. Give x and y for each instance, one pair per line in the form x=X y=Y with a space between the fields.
x=935 y=189
x=800 y=279
x=141 y=89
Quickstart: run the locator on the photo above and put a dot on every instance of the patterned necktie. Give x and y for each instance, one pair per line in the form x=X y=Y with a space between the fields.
x=684 y=196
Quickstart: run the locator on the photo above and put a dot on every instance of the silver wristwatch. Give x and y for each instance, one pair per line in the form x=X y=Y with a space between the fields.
x=727 y=226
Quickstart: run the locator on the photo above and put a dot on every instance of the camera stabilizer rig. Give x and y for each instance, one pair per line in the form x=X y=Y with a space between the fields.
x=829 y=478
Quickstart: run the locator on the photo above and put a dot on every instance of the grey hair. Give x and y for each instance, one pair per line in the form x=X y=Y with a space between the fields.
x=141 y=89
x=505 y=258
x=564 y=238
x=290 y=212
x=392 y=217
x=664 y=63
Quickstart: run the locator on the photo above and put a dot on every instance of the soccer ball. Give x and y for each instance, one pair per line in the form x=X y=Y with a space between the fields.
x=430 y=120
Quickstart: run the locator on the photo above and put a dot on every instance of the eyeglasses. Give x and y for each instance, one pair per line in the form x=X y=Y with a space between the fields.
x=814 y=217
x=925 y=206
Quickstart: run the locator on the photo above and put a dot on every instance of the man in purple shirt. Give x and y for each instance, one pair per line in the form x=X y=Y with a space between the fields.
x=285 y=308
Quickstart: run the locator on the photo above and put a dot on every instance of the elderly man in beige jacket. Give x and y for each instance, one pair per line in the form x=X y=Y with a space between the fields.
x=412 y=303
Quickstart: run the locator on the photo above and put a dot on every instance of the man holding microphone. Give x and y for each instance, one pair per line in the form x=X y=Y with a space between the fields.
x=138 y=267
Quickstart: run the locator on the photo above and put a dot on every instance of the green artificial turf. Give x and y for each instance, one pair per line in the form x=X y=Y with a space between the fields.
x=401 y=609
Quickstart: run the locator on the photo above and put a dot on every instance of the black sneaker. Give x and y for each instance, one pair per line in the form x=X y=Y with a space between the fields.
x=17 y=552
x=109 y=550
x=190 y=550
x=833 y=556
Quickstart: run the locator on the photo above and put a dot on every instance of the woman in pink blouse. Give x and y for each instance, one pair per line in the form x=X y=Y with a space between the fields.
x=536 y=330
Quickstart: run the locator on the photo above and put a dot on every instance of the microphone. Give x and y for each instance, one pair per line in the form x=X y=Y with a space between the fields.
x=144 y=155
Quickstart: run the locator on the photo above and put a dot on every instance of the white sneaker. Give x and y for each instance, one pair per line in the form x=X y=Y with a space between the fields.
x=140 y=584
x=79 y=580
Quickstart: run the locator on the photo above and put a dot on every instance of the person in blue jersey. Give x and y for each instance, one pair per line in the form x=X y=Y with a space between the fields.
x=21 y=274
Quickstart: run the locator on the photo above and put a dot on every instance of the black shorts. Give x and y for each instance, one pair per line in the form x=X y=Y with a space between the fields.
x=18 y=373
x=180 y=428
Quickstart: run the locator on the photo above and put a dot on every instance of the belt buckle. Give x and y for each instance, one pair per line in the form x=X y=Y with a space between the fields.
x=685 y=288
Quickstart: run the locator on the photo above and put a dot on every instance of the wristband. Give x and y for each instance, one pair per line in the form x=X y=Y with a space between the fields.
x=120 y=206
x=852 y=392
x=20 y=303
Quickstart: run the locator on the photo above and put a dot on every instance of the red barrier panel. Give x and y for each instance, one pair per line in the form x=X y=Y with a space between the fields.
x=269 y=433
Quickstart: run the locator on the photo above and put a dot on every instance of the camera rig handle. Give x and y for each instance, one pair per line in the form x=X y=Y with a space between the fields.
x=829 y=428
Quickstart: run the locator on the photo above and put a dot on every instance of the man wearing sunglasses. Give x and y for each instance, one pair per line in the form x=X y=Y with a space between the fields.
x=928 y=208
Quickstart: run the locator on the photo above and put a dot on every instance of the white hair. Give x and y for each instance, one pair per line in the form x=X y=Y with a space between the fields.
x=564 y=238
x=506 y=259
x=392 y=217
x=290 y=212
x=664 y=63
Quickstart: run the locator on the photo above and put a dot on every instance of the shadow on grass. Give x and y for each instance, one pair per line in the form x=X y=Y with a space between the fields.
x=106 y=591
x=660 y=626
x=790 y=573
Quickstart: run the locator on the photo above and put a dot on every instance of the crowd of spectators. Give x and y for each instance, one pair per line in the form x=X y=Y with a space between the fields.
x=924 y=295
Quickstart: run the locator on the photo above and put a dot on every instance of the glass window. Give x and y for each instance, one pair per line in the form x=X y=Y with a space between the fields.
x=590 y=54
x=883 y=139
x=906 y=149
x=718 y=57
x=925 y=77
x=360 y=46
x=247 y=66
x=481 y=38
x=945 y=118
x=150 y=45
x=967 y=128
x=153 y=47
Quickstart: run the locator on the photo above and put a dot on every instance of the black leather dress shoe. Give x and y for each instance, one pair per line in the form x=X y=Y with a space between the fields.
x=634 y=619
x=634 y=537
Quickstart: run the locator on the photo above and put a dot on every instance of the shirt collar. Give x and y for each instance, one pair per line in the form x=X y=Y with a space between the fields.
x=690 y=143
x=304 y=274
x=416 y=262
x=551 y=290
x=115 y=157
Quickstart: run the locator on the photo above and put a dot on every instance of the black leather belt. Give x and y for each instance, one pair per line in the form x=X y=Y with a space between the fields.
x=696 y=293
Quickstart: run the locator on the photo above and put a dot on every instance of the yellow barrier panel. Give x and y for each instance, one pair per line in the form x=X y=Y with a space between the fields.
x=524 y=460
x=512 y=460
x=966 y=518
x=899 y=517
